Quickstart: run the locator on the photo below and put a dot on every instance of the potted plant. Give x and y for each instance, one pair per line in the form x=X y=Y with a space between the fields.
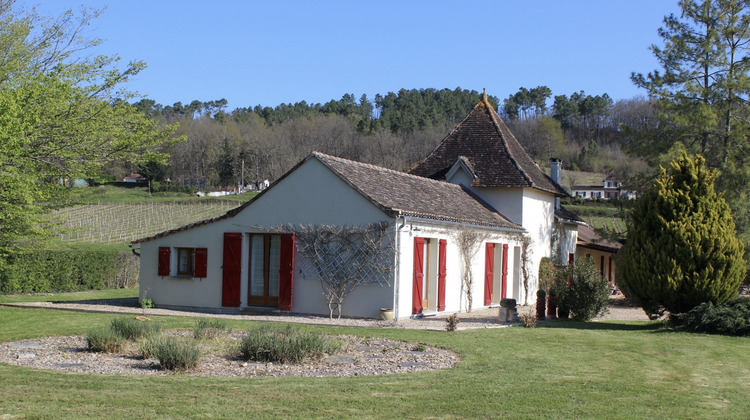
x=541 y=304
x=552 y=304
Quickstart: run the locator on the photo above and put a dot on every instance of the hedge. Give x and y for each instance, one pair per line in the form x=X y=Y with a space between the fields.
x=49 y=271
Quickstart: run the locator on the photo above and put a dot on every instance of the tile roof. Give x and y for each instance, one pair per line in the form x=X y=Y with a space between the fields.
x=568 y=215
x=397 y=192
x=589 y=238
x=393 y=192
x=496 y=157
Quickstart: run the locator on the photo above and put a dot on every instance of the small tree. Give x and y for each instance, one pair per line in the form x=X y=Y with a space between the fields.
x=582 y=290
x=681 y=248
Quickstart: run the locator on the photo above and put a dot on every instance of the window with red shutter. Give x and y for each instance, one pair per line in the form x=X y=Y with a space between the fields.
x=286 y=272
x=165 y=253
x=416 y=298
x=504 y=280
x=489 y=258
x=201 y=262
x=441 y=274
x=232 y=269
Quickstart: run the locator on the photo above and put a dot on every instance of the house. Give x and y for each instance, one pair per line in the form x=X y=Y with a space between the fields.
x=456 y=223
x=134 y=177
x=483 y=156
x=611 y=188
x=241 y=260
x=601 y=250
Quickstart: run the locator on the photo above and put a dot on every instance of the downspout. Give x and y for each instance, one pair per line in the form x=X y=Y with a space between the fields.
x=398 y=265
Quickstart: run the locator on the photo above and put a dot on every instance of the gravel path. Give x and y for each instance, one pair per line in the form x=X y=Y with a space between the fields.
x=479 y=318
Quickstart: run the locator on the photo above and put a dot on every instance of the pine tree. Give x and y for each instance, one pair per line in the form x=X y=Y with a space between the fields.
x=682 y=248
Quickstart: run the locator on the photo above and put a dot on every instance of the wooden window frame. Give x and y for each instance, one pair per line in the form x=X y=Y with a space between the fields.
x=191 y=261
x=266 y=300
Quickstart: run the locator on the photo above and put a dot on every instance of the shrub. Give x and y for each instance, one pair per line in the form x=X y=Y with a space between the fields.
x=103 y=340
x=147 y=347
x=730 y=319
x=541 y=304
x=133 y=329
x=287 y=345
x=48 y=271
x=209 y=327
x=451 y=322
x=177 y=353
x=528 y=319
x=546 y=274
x=682 y=248
x=582 y=290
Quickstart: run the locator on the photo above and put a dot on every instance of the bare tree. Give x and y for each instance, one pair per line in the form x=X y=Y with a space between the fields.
x=344 y=258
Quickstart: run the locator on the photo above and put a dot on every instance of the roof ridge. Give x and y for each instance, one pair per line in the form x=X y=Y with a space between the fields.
x=379 y=168
x=496 y=121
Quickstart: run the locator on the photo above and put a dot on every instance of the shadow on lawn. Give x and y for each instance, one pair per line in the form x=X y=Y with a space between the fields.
x=131 y=302
x=654 y=326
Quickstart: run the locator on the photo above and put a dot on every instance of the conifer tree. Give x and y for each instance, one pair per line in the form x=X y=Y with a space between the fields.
x=682 y=248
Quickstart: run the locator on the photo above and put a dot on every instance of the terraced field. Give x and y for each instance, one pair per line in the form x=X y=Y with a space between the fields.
x=125 y=222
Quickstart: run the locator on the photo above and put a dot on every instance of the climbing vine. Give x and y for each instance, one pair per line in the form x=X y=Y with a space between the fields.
x=468 y=243
x=343 y=258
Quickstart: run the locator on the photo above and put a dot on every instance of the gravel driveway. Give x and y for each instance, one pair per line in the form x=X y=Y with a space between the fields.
x=480 y=318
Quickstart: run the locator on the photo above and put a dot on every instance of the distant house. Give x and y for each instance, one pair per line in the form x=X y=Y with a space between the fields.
x=611 y=188
x=478 y=181
x=601 y=250
x=134 y=177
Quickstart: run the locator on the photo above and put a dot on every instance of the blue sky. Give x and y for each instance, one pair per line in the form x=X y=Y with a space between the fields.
x=272 y=52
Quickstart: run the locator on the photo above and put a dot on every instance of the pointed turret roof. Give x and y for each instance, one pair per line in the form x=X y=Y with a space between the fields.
x=496 y=157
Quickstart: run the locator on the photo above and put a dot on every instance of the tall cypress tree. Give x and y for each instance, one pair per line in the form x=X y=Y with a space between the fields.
x=682 y=248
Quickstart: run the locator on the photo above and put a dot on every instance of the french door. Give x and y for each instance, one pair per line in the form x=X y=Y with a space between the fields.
x=265 y=259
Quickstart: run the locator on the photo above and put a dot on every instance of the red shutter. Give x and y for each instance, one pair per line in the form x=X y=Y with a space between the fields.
x=571 y=259
x=441 y=274
x=164 y=258
x=416 y=294
x=286 y=272
x=601 y=266
x=230 y=293
x=504 y=281
x=201 y=262
x=489 y=256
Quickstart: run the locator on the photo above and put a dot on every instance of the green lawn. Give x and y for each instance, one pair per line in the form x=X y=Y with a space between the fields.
x=562 y=370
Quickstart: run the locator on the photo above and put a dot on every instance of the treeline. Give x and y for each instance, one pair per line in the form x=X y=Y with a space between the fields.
x=395 y=130
x=585 y=131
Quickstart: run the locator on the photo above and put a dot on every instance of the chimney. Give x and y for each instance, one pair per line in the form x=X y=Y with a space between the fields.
x=555 y=169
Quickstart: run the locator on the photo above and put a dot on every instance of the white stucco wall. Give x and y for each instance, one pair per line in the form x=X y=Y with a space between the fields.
x=596 y=255
x=455 y=295
x=567 y=242
x=534 y=210
x=310 y=195
x=183 y=291
x=458 y=175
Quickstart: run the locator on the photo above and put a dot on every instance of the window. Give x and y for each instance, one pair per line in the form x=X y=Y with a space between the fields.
x=185 y=261
x=265 y=263
x=190 y=262
x=429 y=274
